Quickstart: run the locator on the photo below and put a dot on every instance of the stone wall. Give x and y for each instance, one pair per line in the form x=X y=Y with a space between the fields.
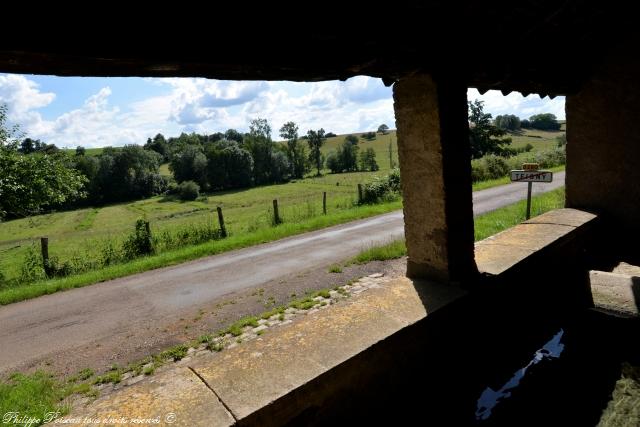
x=603 y=149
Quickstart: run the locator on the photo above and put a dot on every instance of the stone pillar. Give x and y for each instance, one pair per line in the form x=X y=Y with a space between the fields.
x=434 y=152
x=603 y=145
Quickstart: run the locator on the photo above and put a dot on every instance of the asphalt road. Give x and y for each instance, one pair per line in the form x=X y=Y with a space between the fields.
x=33 y=329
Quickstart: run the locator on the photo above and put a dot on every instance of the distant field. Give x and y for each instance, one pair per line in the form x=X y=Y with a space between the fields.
x=81 y=231
x=540 y=139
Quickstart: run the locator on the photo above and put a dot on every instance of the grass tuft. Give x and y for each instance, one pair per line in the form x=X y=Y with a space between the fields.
x=335 y=269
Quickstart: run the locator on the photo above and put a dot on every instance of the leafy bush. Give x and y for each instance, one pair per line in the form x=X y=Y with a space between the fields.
x=493 y=167
x=561 y=140
x=140 y=242
x=188 y=190
x=496 y=166
x=32 y=267
x=382 y=188
x=352 y=139
x=369 y=136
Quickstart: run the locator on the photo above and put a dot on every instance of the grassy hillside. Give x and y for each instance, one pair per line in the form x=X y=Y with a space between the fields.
x=82 y=231
x=540 y=139
x=380 y=146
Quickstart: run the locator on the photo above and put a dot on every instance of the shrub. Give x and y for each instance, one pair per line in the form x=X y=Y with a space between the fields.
x=172 y=189
x=188 y=190
x=369 y=136
x=352 y=139
x=496 y=166
x=32 y=268
x=140 y=242
x=561 y=140
x=385 y=188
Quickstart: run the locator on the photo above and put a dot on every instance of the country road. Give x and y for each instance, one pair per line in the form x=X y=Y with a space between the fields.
x=65 y=322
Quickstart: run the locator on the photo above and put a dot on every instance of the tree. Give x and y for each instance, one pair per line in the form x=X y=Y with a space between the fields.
x=369 y=136
x=32 y=183
x=383 y=129
x=228 y=165
x=295 y=151
x=80 y=150
x=260 y=127
x=508 y=122
x=159 y=145
x=368 y=160
x=258 y=142
x=483 y=135
x=316 y=139
x=333 y=162
x=9 y=136
x=348 y=156
x=546 y=121
x=233 y=135
x=351 y=139
x=190 y=164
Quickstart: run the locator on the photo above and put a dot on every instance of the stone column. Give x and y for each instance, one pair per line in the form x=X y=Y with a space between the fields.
x=603 y=146
x=434 y=152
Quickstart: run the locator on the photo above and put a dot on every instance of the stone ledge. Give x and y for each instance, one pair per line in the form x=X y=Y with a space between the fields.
x=179 y=392
x=498 y=254
x=614 y=293
x=278 y=376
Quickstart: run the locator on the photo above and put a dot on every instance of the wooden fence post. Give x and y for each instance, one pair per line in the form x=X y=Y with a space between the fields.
x=359 y=193
x=276 y=215
x=44 y=246
x=223 y=230
x=324 y=202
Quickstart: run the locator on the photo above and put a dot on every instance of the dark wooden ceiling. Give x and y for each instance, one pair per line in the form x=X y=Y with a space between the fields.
x=545 y=47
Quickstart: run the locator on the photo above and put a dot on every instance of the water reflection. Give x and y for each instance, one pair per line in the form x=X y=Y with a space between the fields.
x=490 y=398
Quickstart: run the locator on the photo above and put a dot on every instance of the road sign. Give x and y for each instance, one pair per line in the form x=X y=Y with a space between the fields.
x=531 y=176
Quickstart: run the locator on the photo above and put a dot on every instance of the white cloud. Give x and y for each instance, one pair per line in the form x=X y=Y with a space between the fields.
x=514 y=103
x=22 y=95
x=206 y=106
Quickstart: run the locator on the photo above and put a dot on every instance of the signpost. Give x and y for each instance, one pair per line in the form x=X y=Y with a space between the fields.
x=530 y=173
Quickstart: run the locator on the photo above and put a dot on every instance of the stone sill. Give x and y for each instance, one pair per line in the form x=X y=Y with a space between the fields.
x=276 y=377
x=531 y=241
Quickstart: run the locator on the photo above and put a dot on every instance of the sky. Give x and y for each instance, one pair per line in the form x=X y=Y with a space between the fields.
x=99 y=112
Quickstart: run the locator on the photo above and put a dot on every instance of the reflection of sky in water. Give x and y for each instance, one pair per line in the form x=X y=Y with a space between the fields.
x=490 y=398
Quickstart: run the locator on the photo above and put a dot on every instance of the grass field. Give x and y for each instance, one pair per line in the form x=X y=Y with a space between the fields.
x=540 y=139
x=79 y=233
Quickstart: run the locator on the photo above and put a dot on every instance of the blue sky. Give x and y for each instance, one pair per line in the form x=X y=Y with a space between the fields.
x=97 y=112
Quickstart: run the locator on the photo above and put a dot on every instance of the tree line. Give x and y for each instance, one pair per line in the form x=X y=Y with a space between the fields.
x=489 y=137
x=511 y=122
x=37 y=177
